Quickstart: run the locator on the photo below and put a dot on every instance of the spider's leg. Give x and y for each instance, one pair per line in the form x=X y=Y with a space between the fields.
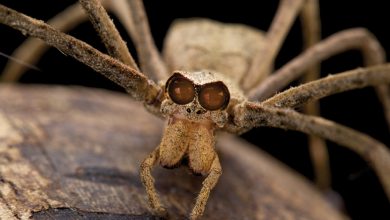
x=148 y=182
x=332 y=84
x=311 y=27
x=284 y=18
x=132 y=15
x=207 y=185
x=32 y=49
x=356 y=38
x=110 y=36
x=383 y=93
x=349 y=80
x=319 y=154
x=135 y=83
x=375 y=153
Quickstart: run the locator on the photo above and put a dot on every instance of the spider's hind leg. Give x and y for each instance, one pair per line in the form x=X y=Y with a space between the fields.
x=253 y=114
x=356 y=38
x=285 y=16
x=311 y=27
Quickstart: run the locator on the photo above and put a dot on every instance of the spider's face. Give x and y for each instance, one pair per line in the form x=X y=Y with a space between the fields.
x=196 y=96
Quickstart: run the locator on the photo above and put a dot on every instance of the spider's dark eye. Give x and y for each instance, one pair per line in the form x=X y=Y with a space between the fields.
x=181 y=90
x=214 y=96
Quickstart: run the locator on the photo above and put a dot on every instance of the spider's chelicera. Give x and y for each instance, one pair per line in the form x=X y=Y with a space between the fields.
x=217 y=78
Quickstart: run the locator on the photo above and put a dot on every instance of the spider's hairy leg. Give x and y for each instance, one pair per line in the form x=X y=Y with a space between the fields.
x=311 y=27
x=383 y=93
x=352 y=79
x=133 y=16
x=350 y=39
x=135 y=83
x=203 y=159
x=284 y=18
x=207 y=185
x=255 y=115
x=332 y=84
x=32 y=49
x=356 y=38
x=148 y=182
x=110 y=36
x=349 y=80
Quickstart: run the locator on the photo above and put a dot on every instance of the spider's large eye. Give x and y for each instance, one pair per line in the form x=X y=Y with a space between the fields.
x=181 y=90
x=214 y=96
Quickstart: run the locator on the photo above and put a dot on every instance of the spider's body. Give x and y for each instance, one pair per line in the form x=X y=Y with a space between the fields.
x=220 y=81
x=213 y=53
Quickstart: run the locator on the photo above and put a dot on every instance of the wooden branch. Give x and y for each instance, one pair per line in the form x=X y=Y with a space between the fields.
x=74 y=153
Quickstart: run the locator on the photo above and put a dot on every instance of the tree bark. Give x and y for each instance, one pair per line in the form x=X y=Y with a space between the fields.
x=74 y=153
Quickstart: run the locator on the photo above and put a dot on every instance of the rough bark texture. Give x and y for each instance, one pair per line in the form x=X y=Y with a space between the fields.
x=74 y=153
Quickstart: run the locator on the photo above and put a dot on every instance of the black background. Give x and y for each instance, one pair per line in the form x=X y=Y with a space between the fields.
x=352 y=177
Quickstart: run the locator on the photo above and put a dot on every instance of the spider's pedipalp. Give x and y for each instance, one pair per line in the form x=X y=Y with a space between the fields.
x=148 y=181
x=208 y=184
x=256 y=115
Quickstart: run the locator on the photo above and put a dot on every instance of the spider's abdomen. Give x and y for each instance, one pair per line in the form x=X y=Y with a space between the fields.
x=206 y=44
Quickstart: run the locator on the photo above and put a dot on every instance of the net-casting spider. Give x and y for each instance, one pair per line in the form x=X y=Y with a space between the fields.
x=217 y=77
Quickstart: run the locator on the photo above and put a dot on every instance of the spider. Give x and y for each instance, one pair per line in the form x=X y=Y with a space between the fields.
x=230 y=109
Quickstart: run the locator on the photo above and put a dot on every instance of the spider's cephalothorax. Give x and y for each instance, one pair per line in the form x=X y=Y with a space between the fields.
x=197 y=96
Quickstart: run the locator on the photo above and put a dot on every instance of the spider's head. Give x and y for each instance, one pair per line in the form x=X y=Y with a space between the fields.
x=196 y=96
